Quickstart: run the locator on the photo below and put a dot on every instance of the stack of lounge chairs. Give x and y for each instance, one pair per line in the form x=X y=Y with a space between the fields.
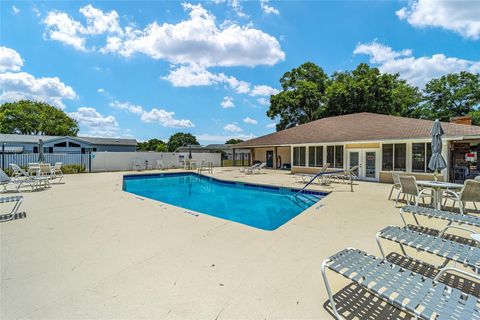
x=414 y=293
x=255 y=169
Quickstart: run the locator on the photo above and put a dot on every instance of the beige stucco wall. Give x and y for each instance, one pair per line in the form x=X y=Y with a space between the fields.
x=310 y=169
x=386 y=176
x=373 y=145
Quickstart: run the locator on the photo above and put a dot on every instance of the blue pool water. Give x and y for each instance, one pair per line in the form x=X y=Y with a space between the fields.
x=262 y=207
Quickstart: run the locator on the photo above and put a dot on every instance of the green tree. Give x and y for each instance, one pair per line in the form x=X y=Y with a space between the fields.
x=366 y=89
x=180 y=139
x=475 y=115
x=35 y=118
x=233 y=141
x=451 y=95
x=301 y=96
x=152 y=145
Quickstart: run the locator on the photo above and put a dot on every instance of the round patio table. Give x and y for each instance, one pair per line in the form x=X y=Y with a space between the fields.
x=438 y=187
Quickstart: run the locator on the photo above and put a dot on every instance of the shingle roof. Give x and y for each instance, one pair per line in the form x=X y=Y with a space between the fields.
x=359 y=127
x=20 y=138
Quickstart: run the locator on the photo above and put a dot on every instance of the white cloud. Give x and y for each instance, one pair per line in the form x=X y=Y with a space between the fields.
x=263 y=101
x=417 y=71
x=101 y=90
x=271 y=125
x=268 y=9
x=199 y=40
x=263 y=91
x=10 y=60
x=94 y=123
x=232 y=127
x=15 y=10
x=227 y=102
x=21 y=85
x=61 y=27
x=165 y=118
x=250 y=120
x=135 y=109
x=458 y=16
x=206 y=137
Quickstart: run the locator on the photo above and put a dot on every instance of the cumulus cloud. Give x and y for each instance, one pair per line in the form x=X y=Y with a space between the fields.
x=63 y=28
x=263 y=101
x=15 y=10
x=130 y=107
x=458 y=16
x=416 y=70
x=263 y=91
x=199 y=40
x=267 y=8
x=271 y=125
x=227 y=102
x=232 y=127
x=250 y=120
x=10 y=60
x=165 y=119
x=94 y=123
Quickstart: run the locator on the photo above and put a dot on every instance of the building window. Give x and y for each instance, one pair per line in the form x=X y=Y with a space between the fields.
x=299 y=156
x=60 y=145
x=421 y=153
x=394 y=157
x=315 y=156
x=335 y=156
x=73 y=145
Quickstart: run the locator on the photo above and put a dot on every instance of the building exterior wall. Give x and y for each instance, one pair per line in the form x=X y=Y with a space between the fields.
x=283 y=152
x=29 y=147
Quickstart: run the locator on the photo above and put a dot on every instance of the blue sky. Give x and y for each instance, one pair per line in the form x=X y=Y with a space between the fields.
x=150 y=69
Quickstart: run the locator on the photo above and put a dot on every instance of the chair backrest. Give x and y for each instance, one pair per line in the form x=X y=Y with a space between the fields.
x=353 y=171
x=45 y=168
x=477 y=178
x=58 y=165
x=409 y=185
x=470 y=191
x=262 y=165
x=17 y=171
x=4 y=177
x=396 y=178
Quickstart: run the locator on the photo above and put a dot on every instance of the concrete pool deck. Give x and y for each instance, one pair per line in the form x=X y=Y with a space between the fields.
x=88 y=250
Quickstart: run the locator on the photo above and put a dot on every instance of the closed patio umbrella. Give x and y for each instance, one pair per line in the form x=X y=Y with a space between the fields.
x=40 y=151
x=437 y=163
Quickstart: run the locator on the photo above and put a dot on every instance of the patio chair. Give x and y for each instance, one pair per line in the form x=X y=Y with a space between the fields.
x=138 y=165
x=257 y=169
x=46 y=170
x=57 y=171
x=346 y=175
x=441 y=247
x=22 y=177
x=454 y=220
x=17 y=200
x=160 y=165
x=469 y=193
x=411 y=190
x=410 y=292
x=306 y=177
x=396 y=184
x=245 y=169
x=33 y=168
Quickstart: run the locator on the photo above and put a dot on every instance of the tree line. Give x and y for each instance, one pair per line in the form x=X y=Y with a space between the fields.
x=308 y=93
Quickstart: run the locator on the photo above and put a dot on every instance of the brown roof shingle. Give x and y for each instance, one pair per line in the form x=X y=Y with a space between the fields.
x=359 y=127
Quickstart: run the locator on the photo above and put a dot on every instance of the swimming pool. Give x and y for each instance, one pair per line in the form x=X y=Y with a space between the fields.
x=259 y=206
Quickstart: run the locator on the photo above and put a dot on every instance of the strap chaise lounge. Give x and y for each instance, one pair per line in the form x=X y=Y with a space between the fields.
x=17 y=200
x=245 y=169
x=257 y=169
x=467 y=255
x=459 y=219
x=411 y=292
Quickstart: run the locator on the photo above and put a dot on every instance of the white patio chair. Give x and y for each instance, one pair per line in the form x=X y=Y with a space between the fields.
x=138 y=164
x=411 y=190
x=245 y=169
x=396 y=184
x=5 y=181
x=22 y=177
x=257 y=169
x=57 y=171
x=33 y=168
x=160 y=165
x=469 y=193
x=17 y=200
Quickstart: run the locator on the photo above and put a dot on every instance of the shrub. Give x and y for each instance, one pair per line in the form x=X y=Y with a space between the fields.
x=73 y=168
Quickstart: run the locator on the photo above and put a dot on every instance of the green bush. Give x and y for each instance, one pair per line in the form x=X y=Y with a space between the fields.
x=73 y=168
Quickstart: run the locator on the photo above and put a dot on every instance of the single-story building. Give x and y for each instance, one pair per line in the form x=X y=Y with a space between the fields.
x=214 y=148
x=18 y=143
x=377 y=143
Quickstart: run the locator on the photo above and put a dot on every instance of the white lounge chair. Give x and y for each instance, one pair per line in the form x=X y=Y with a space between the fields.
x=5 y=181
x=257 y=169
x=22 y=177
x=347 y=175
x=17 y=200
x=306 y=177
x=57 y=171
x=138 y=165
x=245 y=169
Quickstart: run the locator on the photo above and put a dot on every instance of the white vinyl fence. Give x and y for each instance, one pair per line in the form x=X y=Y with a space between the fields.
x=23 y=159
x=124 y=161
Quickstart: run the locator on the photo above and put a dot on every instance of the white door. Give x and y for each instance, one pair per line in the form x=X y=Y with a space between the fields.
x=367 y=161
